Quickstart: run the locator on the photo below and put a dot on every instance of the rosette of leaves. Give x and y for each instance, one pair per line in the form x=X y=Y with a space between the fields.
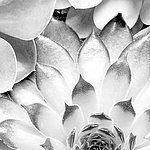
x=81 y=96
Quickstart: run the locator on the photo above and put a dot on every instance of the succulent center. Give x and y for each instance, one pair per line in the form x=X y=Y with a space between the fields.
x=101 y=139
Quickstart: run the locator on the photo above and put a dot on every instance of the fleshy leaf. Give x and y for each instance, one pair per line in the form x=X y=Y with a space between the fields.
x=93 y=60
x=103 y=120
x=17 y=134
x=25 y=54
x=51 y=53
x=11 y=110
x=141 y=127
x=116 y=36
x=115 y=84
x=81 y=20
x=62 y=34
x=129 y=8
x=82 y=4
x=46 y=120
x=8 y=66
x=23 y=19
x=72 y=118
x=123 y=115
x=53 y=87
x=61 y=4
x=84 y=95
x=25 y=92
x=53 y=144
x=145 y=15
x=139 y=62
x=142 y=101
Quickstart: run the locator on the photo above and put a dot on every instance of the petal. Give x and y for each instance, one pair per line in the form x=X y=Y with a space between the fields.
x=139 y=61
x=129 y=8
x=20 y=18
x=141 y=126
x=61 y=4
x=102 y=120
x=25 y=53
x=26 y=92
x=53 y=144
x=116 y=36
x=53 y=87
x=123 y=115
x=11 y=110
x=115 y=84
x=145 y=13
x=84 y=95
x=53 y=54
x=81 y=20
x=20 y=135
x=81 y=3
x=72 y=118
x=8 y=66
x=46 y=120
x=93 y=60
x=62 y=34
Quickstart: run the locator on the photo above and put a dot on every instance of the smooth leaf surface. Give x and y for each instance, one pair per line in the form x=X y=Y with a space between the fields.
x=61 y=4
x=93 y=60
x=116 y=36
x=62 y=34
x=51 y=53
x=25 y=19
x=53 y=87
x=8 y=66
x=129 y=8
x=25 y=53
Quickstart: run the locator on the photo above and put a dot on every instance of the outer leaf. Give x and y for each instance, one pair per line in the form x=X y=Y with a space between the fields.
x=26 y=92
x=81 y=20
x=116 y=36
x=62 y=34
x=25 y=53
x=93 y=60
x=115 y=84
x=61 y=4
x=8 y=66
x=53 y=54
x=25 y=19
x=18 y=134
x=11 y=110
x=46 y=120
x=53 y=87
x=145 y=15
x=82 y=4
x=139 y=62
x=129 y=8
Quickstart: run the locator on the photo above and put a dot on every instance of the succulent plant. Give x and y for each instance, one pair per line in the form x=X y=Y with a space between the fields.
x=77 y=84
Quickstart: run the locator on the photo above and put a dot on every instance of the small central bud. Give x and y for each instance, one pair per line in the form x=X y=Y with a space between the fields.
x=101 y=139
